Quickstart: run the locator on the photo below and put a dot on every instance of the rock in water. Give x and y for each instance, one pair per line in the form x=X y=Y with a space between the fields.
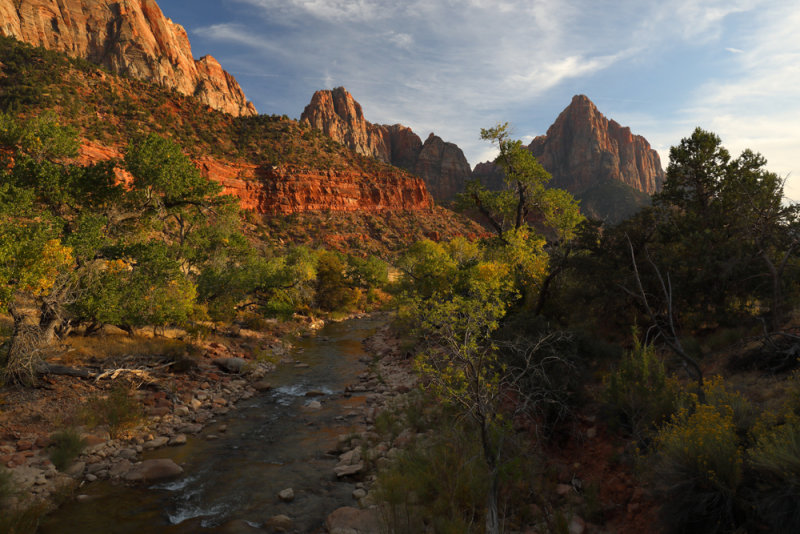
x=349 y=520
x=153 y=470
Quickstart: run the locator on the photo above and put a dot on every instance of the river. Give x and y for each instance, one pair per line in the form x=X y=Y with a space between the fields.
x=272 y=442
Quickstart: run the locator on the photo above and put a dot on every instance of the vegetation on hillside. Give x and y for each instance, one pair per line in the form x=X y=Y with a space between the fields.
x=35 y=80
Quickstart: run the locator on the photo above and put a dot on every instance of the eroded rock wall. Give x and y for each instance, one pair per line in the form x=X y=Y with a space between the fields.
x=131 y=37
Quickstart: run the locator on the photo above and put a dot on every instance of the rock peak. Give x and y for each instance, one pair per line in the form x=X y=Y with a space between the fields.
x=441 y=165
x=583 y=148
x=131 y=37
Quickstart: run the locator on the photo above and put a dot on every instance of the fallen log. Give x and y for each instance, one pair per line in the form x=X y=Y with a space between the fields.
x=44 y=368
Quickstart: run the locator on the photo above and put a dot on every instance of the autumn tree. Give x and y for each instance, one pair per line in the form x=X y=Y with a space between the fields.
x=457 y=294
x=526 y=209
x=76 y=245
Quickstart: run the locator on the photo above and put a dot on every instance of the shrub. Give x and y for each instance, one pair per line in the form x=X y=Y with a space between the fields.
x=744 y=415
x=442 y=484
x=6 y=487
x=639 y=393
x=23 y=519
x=118 y=410
x=66 y=445
x=775 y=460
x=697 y=469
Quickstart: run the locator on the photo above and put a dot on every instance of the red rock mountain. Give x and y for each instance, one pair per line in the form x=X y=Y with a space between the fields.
x=131 y=37
x=441 y=165
x=583 y=149
x=283 y=190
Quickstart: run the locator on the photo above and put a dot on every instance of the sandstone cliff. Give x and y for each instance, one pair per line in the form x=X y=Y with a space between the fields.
x=130 y=37
x=583 y=149
x=441 y=165
x=284 y=190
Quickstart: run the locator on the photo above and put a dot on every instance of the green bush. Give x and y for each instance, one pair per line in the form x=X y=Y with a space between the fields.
x=6 y=485
x=118 y=410
x=639 y=393
x=743 y=412
x=775 y=461
x=334 y=292
x=697 y=469
x=65 y=445
x=442 y=484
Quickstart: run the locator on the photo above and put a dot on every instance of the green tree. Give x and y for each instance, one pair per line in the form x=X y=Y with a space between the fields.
x=526 y=208
x=456 y=295
x=76 y=245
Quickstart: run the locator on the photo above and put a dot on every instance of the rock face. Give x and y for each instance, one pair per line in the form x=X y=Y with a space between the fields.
x=130 y=37
x=583 y=148
x=287 y=190
x=281 y=190
x=441 y=165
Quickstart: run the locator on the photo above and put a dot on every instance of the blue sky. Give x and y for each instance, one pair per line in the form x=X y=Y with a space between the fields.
x=455 y=66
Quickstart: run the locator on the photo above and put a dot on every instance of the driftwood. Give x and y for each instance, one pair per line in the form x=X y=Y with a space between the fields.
x=44 y=368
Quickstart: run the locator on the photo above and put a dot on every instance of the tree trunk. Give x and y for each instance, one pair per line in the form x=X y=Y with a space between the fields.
x=492 y=513
x=34 y=331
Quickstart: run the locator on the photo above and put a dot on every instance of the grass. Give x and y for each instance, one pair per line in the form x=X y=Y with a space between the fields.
x=118 y=411
x=66 y=445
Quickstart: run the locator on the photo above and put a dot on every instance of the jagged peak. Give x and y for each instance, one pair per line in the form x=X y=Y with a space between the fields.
x=336 y=113
x=131 y=38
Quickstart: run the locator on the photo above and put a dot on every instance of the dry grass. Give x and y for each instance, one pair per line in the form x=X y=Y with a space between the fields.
x=117 y=347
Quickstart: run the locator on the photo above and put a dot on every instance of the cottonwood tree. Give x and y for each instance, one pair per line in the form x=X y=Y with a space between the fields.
x=76 y=244
x=526 y=208
x=457 y=295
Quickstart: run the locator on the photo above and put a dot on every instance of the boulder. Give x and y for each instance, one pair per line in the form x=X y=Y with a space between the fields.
x=279 y=523
x=153 y=470
x=231 y=365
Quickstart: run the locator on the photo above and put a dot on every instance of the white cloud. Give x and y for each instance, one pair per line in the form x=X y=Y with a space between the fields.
x=401 y=40
x=331 y=10
x=757 y=106
x=454 y=66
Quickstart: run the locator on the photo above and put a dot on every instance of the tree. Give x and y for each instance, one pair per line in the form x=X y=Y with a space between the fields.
x=456 y=296
x=77 y=245
x=727 y=228
x=527 y=208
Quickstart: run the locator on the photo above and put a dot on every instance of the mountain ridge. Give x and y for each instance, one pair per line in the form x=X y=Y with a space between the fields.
x=442 y=165
x=583 y=148
x=129 y=37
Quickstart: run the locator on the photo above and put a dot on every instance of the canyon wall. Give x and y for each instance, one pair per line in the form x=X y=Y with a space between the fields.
x=280 y=190
x=129 y=37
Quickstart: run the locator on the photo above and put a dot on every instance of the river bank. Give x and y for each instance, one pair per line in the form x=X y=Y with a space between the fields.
x=214 y=403
x=175 y=405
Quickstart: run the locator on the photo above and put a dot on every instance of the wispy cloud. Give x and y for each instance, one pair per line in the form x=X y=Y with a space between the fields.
x=454 y=66
x=756 y=106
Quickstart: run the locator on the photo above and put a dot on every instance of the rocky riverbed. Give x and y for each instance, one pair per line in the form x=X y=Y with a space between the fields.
x=199 y=407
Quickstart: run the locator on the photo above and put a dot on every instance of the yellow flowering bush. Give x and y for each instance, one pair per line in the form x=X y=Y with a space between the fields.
x=697 y=468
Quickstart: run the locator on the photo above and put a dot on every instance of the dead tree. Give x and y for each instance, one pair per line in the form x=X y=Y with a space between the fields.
x=664 y=323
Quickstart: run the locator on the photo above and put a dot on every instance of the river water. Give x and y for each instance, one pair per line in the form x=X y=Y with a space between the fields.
x=272 y=442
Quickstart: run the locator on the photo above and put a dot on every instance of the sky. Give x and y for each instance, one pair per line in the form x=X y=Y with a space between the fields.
x=453 y=67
